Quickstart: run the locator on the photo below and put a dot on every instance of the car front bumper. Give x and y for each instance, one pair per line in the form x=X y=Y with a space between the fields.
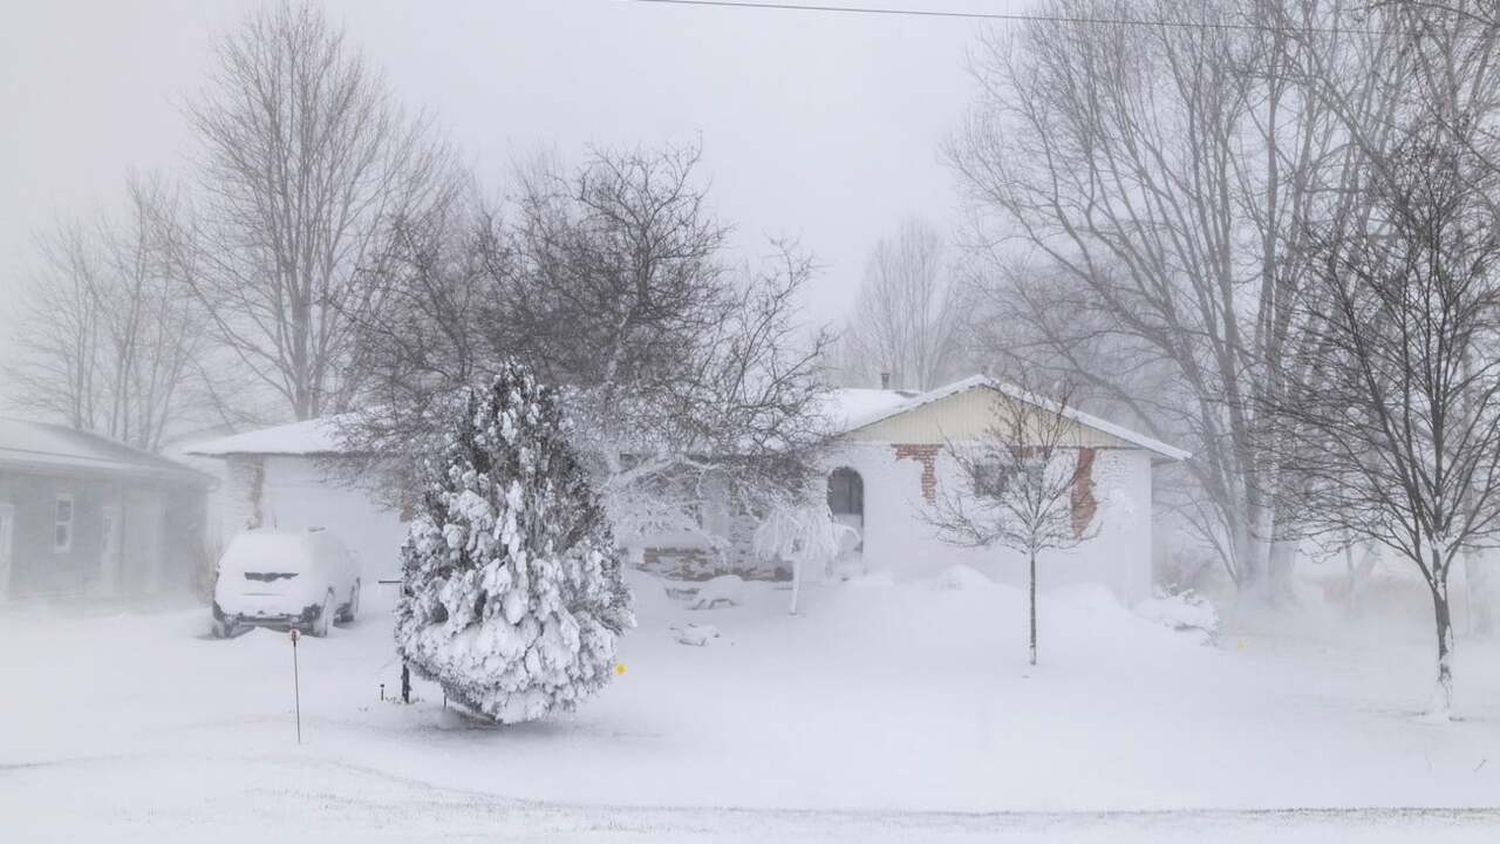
x=268 y=617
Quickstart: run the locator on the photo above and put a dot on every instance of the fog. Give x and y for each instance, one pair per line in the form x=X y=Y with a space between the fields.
x=746 y=420
x=822 y=127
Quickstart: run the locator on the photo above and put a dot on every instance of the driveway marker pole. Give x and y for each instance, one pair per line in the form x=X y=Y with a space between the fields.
x=296 y=685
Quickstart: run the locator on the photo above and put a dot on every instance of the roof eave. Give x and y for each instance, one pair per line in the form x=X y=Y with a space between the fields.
x=1164 y=453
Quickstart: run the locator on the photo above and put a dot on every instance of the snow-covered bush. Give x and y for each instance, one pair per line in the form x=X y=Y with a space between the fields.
x=961 y=577
x=512 y=596
x=1182 y=611
x=802 y=533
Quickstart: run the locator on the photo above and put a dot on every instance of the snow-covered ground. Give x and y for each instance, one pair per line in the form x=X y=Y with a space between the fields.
x=882 y=712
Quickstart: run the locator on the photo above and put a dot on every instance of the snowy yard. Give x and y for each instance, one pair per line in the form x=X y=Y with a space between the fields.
x=884 y=712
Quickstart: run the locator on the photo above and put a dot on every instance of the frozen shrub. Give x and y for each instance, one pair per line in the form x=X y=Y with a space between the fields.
x=1182 y=611
x=512 y=595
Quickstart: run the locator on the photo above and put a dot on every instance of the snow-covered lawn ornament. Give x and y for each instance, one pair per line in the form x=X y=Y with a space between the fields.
x=512 y=596
x=693 y=633
x=726 y=590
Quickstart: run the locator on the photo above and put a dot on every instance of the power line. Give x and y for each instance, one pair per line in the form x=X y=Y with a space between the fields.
x=1002 y=16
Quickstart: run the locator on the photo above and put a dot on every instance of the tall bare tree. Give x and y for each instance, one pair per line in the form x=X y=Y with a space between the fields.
x=1159 y=180
x=1397 y=424
x=1021 y=485
x=908 y=319
x=109 y=342
x=307 y=161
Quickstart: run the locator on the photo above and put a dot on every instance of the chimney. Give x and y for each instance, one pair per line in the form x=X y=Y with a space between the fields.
x=885 y=380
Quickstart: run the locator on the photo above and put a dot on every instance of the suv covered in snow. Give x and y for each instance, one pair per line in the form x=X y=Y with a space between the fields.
x=283 y=579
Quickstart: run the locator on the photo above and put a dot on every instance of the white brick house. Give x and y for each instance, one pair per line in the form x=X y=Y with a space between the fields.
x=890 y=451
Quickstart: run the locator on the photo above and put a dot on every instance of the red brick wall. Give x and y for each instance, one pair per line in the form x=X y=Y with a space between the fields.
x=927 y=456
x=1085 y=506
x=1084 y=503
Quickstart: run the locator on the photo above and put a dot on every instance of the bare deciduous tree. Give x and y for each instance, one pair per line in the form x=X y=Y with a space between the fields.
x=109 y=342
x=1397 y=425
x=1019 y=484
x=1160 y=183
x=683 y=377
x=908 y=318
x=307 y=163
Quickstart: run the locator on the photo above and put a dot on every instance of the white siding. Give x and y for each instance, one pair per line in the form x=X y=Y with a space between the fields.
x=296 y=493
x=963 y=416
x=898 y=540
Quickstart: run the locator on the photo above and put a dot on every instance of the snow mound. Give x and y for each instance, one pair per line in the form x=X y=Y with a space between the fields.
x=726 y=590
x=694 y=634
x=961 y=577
x=874 y=579
x=1183 y=611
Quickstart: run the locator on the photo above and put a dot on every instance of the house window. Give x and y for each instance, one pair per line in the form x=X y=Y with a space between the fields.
x=991 y=478
x=62 y=524
x=846 y=493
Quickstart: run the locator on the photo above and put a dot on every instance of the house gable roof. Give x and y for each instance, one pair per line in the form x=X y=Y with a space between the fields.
x=847 y=412
x=43 y=447
x=307 y=438
x=1111 y=432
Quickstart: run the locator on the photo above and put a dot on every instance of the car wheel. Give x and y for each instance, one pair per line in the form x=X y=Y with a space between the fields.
x=325 y=615
x=223 y=629
x=351 y=609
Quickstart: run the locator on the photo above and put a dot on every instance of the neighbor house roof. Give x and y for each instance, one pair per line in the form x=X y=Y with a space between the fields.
x=855 y=411
x=309 y=437
x=42 y=447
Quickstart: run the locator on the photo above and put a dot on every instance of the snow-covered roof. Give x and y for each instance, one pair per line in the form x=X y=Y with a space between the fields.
x=848 y=408
x=309 y=437
x=879 y=413
x=845 y=409
x=43 y=447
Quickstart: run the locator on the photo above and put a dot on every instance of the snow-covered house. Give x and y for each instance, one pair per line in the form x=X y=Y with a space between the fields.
x=884 y=465
x=84 y=515
x=888 y=462
x=299 y=476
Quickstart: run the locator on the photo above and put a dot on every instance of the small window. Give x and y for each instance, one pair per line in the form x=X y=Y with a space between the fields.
x=991 y=479
x=62 y=525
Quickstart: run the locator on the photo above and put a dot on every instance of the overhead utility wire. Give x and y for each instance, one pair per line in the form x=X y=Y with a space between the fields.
x=1004 y=16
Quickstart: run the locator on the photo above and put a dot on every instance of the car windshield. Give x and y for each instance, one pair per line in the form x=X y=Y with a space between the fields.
x=266 y=556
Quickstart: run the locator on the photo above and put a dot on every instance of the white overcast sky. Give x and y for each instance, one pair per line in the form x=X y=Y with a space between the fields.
x=821 y=126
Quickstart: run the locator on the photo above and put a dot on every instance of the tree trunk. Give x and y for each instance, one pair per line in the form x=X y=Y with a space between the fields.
x=1250 y=563
x=1281 y=561
x=1033 y=607
x=796 y=583
x=1442 y=697
x=1481 y=597
x=1356 y=572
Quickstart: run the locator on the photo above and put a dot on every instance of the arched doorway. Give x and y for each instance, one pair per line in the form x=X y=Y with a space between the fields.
x=846 y=499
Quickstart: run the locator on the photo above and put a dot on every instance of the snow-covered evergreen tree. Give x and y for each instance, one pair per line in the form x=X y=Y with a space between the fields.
x=512 y=595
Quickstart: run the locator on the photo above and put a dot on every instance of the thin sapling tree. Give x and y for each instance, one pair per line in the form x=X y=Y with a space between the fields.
x=1023 y=484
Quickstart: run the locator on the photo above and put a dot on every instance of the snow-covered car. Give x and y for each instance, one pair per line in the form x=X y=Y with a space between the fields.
x=284 y=579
